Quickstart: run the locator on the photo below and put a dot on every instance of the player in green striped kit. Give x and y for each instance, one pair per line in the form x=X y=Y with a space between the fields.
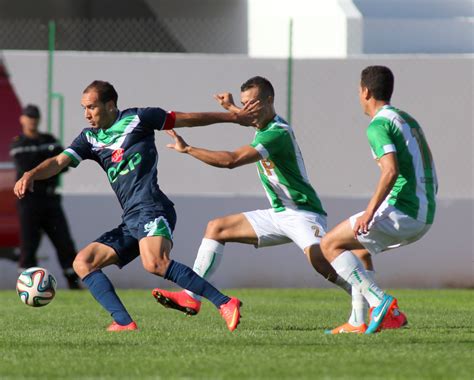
x=296 y=213
x=402 y=208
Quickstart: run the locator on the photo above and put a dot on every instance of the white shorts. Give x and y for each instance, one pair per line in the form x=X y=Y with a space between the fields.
x=390 y=228
x=305 y=228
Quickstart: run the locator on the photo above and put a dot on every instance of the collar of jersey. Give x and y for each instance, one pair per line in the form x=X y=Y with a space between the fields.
x=270 y=124
x=113 y=136
x=385 y=107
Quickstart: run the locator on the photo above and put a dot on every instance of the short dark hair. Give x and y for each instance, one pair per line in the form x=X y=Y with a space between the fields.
x=263 y=84
x=379 y=80
x=31 y=111
x=104 y=89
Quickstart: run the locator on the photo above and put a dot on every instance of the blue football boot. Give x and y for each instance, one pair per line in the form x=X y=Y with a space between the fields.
x=379 y=313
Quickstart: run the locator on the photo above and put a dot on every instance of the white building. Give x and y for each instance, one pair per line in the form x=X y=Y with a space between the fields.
x=341 y=28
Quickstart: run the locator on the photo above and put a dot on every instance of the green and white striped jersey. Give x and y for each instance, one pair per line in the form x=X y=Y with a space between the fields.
x=414 y=192
x=282 y=170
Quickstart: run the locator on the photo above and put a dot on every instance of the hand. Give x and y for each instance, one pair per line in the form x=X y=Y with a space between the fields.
x=23 y=184
x=361 y=225
x=179 y=144
x=249 y=114
x=226 y=100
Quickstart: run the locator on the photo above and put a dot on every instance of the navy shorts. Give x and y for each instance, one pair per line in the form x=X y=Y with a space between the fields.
x=135 y=226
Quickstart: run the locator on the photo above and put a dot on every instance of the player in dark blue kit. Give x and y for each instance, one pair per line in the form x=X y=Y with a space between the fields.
x=122 y=143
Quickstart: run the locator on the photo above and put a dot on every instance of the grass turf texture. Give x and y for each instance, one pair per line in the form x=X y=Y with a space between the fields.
x=280 y=337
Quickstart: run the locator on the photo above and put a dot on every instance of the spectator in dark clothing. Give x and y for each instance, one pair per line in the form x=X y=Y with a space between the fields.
x=41 y=211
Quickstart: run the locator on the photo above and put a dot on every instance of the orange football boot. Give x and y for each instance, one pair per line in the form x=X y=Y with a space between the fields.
x=114 y=326
x=181 y=301
x=230 y=311
x=348 y=328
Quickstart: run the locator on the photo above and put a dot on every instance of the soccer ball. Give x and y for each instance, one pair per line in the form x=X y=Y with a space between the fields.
x=36 y=287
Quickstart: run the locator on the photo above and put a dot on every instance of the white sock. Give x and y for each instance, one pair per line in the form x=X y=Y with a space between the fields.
x=207 y=260
x=350 y=268
x=360 y=306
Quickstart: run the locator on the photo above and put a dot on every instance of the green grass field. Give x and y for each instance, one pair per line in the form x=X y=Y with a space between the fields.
x=280 y=337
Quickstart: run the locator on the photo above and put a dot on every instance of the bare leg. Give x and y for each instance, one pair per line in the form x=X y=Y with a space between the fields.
x=155 y=254
x=232 y=228
x=94 y=257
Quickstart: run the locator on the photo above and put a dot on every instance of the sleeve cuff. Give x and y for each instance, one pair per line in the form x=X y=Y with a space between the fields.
x=386 y=149
x=75 y=158
x=169 y=121
x=261 y=149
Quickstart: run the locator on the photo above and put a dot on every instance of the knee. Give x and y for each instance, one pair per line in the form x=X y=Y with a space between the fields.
x=215 y=230
x=157 y=266
x=81 y=264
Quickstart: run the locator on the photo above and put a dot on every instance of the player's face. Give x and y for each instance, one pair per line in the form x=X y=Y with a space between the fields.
x=29 y=124
x=249 y=95
x=97 y=114
x=253 y=93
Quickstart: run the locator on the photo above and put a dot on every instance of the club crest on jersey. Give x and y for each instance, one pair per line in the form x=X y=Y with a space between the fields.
x=117 y=155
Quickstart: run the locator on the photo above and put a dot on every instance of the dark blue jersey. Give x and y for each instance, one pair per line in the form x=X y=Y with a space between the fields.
x=127 y=153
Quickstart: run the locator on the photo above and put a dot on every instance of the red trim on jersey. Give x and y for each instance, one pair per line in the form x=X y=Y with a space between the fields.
x=170 y=120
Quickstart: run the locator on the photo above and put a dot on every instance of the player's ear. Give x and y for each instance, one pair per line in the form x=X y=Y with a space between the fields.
x=366 y=93
x=110 y=106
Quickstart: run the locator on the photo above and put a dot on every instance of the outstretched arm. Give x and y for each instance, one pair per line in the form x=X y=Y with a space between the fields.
x=221 y=159
x=197 y=119
x=46 y=169
x=243 y=116
x=389 y=172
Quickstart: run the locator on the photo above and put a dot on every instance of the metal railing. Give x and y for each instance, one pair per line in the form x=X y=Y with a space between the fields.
x=127 y=35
